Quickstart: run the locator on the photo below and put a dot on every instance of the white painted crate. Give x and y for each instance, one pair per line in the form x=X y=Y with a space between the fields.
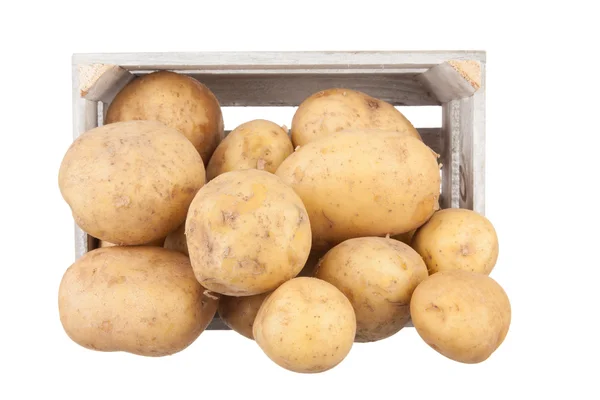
x=454 y=80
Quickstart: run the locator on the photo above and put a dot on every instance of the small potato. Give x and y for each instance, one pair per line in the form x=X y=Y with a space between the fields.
x=456 y=238
x=176 y=240
x=130 y=183
x=461 y=314
x=256 y=144
x=177 y=100
x=157 y=242
x=239 y=313
x=334 y=110
x=306 y=325
x=247 y=233
x=406 y=237
x=378 y=275
x=140 y=300
x=357 y=184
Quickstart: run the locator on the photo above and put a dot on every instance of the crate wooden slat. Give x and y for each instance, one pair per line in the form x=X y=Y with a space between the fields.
x=454 y=80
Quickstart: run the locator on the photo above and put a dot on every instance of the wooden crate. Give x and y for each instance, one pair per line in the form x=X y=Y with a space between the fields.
x=454 y=80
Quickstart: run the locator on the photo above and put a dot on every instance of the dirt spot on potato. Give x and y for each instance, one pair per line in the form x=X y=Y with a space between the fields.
x=327 y=218
x=373 y=104
x=116 y=280
x=229 y=217
x=106 y=326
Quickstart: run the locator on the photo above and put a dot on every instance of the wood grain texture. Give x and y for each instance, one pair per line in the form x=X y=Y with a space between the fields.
x=450 y=154
x=451 y=81
x=282 y=62
x=292 y=89
x=101 y=82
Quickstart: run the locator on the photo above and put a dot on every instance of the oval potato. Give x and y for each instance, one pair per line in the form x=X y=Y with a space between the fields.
x=247 y=233
x=456 y=238
x=461 y=314
x=306 y=325
x=141 y=300
x=130 y=183
x=357 y=184
x=177 y=100
x=334 y=110
x=256 y=144
x=378 y=275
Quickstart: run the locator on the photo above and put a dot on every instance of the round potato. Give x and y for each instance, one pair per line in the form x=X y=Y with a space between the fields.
x=357 y=184
x=130 y=183
x=179 y=101
x=456 y=238
x=461 y=314
x=247 y=233
x=176 y=240
x=157 y=242
x=140 y=300
x=378 y=275
x=334 y=110
x=306 y=325
x=256 y=144
x=239 y=313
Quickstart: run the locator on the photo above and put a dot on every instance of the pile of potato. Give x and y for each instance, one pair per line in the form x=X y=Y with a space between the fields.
x=306 y=244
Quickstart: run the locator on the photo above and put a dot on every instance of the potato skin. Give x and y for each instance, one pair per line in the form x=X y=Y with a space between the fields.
x=157 y=242
x=239 y=313
x=306 y=325
x=140 y=300
x=357 y=184
x=456 y=238
x=463 y=315
x=130 y=183
x=334 y=110
x=179 y=101
x=177 y=241
x=378 y=275
x=247 y=233
x=256 y=144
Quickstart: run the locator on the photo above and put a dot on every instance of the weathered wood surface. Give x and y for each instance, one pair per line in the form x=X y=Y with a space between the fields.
x=452 y=80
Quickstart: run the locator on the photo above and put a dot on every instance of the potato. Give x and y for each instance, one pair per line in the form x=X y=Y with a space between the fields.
x=306 y=325
x=378 y=275
x=456 y=238
x=405 y=237
x=256 y=144
x=239 y=313
x=247 y=233
x=176 y=240
x=140 y=300
x=334 y=110
x=179 y=101
x=357 y=184
x=157 y=242
x=130 y=183
x=461 y=314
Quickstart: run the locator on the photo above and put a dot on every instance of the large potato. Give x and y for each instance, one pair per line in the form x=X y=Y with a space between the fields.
x=378 y=275
x=456 y=238
x=334 y=110
x=177 y=100
x=356 y=184
x=305 y=325
x=247 y=233
x=239 y=313
x=141 y=300
x=177 y=241
x=461 y=314
x=130 y=183
x=256 y=144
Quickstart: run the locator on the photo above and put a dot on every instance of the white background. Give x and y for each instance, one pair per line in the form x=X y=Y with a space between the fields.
x=542 y=138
